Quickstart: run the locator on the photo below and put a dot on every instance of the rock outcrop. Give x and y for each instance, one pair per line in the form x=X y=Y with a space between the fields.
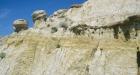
x=39 y=18
x=101 y=37
x=19 y=25
x=76 y=6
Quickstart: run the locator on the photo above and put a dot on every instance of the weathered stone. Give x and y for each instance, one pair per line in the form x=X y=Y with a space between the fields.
x=76 y=6
x=79 y=29
x=100 y=38
x=60 y=12
x=39 y=15
x=19 y=25
x=39 y=18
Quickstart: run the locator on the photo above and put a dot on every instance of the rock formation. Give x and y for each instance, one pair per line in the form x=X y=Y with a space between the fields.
x=76 y=6
x=19 y=25
x=39 y=17
x=102 y=37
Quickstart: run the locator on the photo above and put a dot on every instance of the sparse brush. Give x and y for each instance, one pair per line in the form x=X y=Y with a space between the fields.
x=58 y=46
x=2 y=55
x=53 y=29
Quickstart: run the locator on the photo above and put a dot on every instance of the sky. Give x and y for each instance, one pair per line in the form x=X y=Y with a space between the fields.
x=11 y=10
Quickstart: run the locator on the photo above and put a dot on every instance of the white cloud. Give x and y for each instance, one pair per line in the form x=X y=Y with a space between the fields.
x=4 y=13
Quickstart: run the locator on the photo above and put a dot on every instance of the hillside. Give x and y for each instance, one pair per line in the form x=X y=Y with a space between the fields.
x=98 y=37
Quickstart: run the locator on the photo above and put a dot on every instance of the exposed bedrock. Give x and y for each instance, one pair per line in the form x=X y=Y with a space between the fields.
x=80 y=55
x=126 y=30
x=101 y=37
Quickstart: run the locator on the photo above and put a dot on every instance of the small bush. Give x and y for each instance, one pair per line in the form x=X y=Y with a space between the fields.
x=58 y=46
x=53 y=30
x=48 y=25
x=2 y=55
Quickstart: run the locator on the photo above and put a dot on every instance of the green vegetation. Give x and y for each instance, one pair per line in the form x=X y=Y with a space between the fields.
x=54 y=29
x=2 y=55
x=58 y=46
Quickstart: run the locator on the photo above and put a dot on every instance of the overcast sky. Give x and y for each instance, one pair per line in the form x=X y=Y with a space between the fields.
x=11 y=10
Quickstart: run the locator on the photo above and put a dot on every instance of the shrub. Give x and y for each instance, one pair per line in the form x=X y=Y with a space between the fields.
x=58 y=46
x=53 y=30
x=2 y=55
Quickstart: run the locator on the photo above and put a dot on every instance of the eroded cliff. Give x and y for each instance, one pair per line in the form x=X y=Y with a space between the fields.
x=95 y=38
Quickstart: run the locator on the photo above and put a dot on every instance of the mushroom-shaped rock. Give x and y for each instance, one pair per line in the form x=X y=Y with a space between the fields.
x=39 y=15
x=20 y=24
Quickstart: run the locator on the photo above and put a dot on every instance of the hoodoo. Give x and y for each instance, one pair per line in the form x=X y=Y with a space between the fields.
x=39 y=16
x=19 y=25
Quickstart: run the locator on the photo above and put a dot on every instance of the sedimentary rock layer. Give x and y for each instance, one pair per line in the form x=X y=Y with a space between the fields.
x=98 y=38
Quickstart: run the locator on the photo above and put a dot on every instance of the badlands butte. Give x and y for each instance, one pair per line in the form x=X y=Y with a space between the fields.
x=98 y=37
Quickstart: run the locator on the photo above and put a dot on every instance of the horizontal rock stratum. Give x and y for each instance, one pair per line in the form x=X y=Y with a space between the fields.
x=99 y=37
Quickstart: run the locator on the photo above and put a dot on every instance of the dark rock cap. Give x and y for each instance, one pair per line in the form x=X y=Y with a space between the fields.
x=76 y=6
x=39 y=14
x=20 y=24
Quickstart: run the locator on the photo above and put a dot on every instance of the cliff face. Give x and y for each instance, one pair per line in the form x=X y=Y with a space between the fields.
x=96 y=38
